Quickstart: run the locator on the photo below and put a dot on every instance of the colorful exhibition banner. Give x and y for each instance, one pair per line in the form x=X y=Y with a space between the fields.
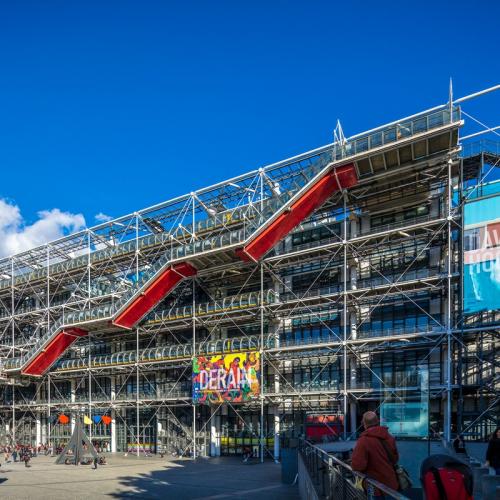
x=481 y=272
x=233 y=378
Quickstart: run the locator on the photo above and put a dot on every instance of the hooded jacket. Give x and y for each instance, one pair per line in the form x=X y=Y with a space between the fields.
x=370 y=458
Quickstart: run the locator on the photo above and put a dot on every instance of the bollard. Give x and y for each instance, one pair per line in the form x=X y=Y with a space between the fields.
x=489 y=486
x=478 y=473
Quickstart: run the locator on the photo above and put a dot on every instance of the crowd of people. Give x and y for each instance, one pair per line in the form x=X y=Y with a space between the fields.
x=24 y=453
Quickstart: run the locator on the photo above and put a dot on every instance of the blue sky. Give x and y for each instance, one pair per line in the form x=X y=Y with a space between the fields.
x=113 y=106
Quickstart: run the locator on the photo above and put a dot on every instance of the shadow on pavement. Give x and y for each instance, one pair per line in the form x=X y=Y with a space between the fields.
x=215 y=478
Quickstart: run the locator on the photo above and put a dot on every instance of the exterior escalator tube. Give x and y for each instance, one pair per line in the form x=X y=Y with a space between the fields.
x=339 y=178
x=51 y=353
x=153 y=294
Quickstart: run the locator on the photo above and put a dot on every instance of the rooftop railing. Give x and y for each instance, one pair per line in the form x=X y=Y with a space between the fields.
x=476 y=148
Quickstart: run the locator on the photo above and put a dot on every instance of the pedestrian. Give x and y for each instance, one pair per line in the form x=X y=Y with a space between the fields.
x=95 y=462
x=459 y=445
x=493 y=452
x=14 y=455
x=375 y=454
x=247 y=453
x=26 y=459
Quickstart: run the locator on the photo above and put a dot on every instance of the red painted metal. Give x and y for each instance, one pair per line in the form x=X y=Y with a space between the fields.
x=155 y=292
x=339 y=178
x=53 y=350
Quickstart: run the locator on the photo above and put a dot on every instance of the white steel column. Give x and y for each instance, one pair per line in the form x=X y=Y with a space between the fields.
x=90 y=390
x=38 y=424
x=113 y=413
x=73 y=400
x=192 y=361
x=262 y=434
x=277 y=422
x=447 y=427
x=13 y=306
x=13 y=415
x=137 y=403
x=344 y=343
x=214 y=432
x=49 y=424
x=113 y=431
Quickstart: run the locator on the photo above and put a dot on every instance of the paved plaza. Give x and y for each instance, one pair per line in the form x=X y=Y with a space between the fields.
x=132 y=477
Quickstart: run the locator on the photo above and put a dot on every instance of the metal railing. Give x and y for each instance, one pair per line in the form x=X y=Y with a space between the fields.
x=476 y=148
x=333 y=479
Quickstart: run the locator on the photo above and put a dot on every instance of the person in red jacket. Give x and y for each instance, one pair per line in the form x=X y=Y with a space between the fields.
x=371 y=458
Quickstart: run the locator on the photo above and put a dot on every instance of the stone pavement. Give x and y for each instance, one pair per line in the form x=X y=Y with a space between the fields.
x=132 y=477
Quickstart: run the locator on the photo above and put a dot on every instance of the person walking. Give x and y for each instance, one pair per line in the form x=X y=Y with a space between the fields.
x=375 y=454
x=459 y=445
x=493 y=452
x=95 y=462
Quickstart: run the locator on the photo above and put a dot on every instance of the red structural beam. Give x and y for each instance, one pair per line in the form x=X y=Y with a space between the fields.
x=53 y=351
x=155 y=292
x=340 y=178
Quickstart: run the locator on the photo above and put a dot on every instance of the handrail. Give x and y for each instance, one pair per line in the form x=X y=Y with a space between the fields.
x=475 y=148
x=336 y=479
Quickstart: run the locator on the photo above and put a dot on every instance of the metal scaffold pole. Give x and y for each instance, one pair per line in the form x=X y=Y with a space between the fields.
x=13 y=415
x=262 y=361
x=13 y=306
x=90 y=389
x=49 y=424
x=448 y=307
x=137 y=404
x=194 y=354
x=344 y=319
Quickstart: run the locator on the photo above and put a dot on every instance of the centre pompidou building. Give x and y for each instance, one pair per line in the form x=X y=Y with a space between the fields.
x=284 y=301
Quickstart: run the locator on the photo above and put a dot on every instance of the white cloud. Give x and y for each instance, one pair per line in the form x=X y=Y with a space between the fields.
x=17 y=236
x=100 y=217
